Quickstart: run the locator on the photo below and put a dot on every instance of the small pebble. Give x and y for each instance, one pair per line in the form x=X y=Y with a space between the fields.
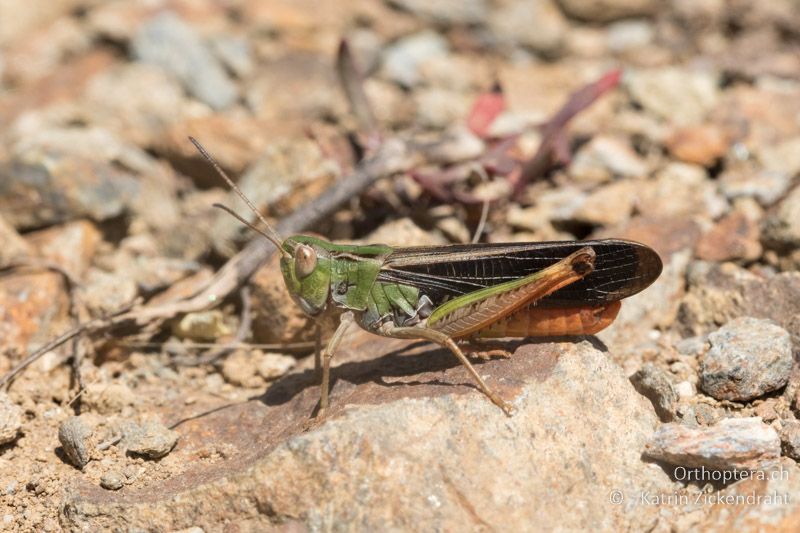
x=401 y=61
x=38 y=486
x=765 y=186
x=782 y=227
x=202 y=326
x=535 y=24
x=629 y=34
x=680 y=95
x=790 y=438
x=74 y=434
x=111 y=480
x=687 y=415
x=446 y=12
x=608 y=10
x=108 y=398
x=10 y=419
x=766 y=410
x=706 y=415
x=129 y=472
x=274 y=365
x=685 y=390
x=240 y=369
x=656 y=385
x=151 y=439
x=735 y=236
x=702 y=145
x=733 y=443
x=748 y=358
x=604 y=158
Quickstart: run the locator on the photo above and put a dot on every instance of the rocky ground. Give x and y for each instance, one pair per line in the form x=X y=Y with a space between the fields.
x=185 y=402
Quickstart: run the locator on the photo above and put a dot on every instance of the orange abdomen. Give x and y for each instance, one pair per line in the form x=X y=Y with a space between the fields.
x=550 y=322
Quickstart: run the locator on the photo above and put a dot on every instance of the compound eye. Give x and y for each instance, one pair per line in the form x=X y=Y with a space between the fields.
x=305 y=261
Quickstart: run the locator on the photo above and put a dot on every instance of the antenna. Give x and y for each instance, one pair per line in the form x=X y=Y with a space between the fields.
x=270 y=234
x=235 y=215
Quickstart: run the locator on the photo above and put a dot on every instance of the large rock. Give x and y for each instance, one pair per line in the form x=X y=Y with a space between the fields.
x=408 y=440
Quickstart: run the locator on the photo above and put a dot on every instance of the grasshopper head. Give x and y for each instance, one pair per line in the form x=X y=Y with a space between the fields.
x=307 y=273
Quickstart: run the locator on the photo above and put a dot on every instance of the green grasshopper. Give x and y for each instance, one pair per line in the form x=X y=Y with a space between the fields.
x=445 y=294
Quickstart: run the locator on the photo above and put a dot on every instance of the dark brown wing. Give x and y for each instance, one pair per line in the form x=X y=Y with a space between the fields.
x=622 y=268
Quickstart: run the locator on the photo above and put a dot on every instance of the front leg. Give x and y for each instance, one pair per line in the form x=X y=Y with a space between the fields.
x=317 y=349
x=344 y=322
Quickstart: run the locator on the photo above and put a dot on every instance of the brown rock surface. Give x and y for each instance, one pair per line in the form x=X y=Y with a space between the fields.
x=385 y=458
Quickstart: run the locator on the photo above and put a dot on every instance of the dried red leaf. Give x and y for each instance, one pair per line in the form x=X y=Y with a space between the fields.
x=497 y=161
x=583 y=98
x=439 y=184
x=485 y=110
x=554 y=142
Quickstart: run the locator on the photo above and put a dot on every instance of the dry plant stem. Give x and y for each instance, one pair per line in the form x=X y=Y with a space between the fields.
x=553 y=139
x=481 y=172
x=77 y=358
x=109 y=443
x=80 y=347
x=288 y=347
x=78 y=395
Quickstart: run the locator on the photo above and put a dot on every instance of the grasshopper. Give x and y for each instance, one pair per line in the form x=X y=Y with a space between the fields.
x=445 y=294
